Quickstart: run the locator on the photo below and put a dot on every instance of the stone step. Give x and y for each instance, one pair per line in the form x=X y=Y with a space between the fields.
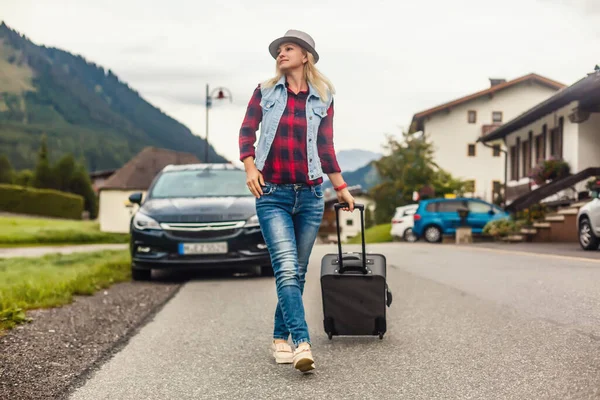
x=513 y=238
x=554 y=218
x=541 y=225
x=528 y=231
x=568 y=211
x=580 y=204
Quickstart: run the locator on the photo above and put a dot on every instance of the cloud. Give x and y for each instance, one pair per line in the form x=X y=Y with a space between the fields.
x=172 y=74
x=586 y=7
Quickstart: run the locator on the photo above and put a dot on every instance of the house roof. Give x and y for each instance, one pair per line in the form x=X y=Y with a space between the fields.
x=102 y=174
x=586 y=91
x=138 y=173
x=418 y=119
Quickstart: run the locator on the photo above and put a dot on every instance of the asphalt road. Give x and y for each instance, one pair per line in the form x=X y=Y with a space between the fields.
x=466 y=323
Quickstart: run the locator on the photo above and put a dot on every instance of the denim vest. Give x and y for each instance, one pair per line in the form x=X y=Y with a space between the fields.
x=273 y=103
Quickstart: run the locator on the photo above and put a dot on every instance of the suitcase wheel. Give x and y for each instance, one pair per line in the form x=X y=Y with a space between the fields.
x=330 y=335
x=381 y=336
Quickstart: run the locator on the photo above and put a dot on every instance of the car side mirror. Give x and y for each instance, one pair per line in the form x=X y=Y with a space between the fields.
x=136 y=198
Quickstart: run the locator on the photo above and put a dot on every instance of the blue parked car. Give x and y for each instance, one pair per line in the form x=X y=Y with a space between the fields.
x=437 y=217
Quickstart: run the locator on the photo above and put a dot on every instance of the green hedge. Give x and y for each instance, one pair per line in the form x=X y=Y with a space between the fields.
x=47 y=202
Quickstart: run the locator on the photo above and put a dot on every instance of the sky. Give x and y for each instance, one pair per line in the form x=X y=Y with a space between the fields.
x=387 y=59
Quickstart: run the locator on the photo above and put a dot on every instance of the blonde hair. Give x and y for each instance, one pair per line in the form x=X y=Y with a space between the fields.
x=312 y=75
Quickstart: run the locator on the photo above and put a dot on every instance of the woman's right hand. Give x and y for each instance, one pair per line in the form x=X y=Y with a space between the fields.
x=255 y=181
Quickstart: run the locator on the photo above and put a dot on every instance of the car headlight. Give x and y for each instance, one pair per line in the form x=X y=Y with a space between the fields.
x=142 y=221
x=252 y=221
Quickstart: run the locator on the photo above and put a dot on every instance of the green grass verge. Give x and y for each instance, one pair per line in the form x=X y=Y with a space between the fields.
x=375 y=234
x=53 y=280
x=15 y=231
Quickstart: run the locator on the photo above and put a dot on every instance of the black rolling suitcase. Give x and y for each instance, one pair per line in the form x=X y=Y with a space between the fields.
x=354 y=289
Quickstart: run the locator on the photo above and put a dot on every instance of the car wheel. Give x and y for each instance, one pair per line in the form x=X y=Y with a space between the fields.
x=409 y=235
x=141 y=274
x=433 y=234
x=266 y=270
x=587 y=239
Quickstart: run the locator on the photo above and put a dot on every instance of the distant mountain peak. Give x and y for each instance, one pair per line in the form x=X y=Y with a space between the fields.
x=353 y=159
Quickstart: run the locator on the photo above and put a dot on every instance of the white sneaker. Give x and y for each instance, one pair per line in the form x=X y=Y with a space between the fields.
x=282 y=352
x=303 y=359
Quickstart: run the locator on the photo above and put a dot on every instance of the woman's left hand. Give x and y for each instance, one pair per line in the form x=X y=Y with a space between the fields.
x=344 y=196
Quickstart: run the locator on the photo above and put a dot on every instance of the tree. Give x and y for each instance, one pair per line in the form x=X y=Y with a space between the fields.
x=6 y=171
x=43 y=176
x=368 y=218
x=409 y=168
x=81 y=184
x=63 y=172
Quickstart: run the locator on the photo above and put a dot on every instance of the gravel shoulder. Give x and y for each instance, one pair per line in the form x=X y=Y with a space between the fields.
x=61 y=346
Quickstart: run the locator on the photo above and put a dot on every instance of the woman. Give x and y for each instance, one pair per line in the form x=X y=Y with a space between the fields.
x=284 y=173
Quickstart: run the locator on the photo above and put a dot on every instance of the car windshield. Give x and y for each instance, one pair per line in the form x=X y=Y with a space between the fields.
x=200 y=183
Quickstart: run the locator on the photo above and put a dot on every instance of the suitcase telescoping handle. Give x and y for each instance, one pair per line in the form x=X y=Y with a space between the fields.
x=362 y=268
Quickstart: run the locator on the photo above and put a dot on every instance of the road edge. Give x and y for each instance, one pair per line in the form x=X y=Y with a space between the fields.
x=115 y=348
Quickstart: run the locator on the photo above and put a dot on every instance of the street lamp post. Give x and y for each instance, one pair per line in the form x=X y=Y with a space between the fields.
x=209 y=97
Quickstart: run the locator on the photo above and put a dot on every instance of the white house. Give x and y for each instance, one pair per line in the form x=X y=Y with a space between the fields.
x=455 y=127
x=565 y=126
x=349 y=222
x=115 y=210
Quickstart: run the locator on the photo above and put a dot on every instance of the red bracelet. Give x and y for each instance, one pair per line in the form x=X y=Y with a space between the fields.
x=342 y=186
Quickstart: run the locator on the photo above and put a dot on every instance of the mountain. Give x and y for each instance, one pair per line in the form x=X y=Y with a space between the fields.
x=366 y=176
x=82 y=108
x=351 y=160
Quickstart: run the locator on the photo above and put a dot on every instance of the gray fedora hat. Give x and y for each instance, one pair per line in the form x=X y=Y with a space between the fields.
x=300 y=38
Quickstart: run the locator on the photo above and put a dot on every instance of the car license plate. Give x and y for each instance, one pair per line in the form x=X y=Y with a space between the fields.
x=203 y=248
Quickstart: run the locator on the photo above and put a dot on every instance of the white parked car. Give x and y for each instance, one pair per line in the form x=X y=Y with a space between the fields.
x=402 y=223
x=588 y=223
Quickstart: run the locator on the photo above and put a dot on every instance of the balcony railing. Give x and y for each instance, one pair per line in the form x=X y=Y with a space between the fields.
x=547 y=190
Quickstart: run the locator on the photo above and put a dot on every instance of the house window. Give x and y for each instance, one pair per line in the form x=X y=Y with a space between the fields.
x=471 y=150
x=472 y=116
x=497 y=116
x=496 y=150
x=526 y=157
x=496 y=187
x=556 y=139
x=514 y=164
x=540 y=148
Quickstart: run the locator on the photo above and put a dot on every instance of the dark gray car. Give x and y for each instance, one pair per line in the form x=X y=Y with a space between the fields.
x=196 y=216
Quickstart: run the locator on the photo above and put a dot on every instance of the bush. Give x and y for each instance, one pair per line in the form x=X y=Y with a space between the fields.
x=536 y=212
x=47 y=202
x=502 y=228
x=551 y=169
x=593 y=184
x=23 y=178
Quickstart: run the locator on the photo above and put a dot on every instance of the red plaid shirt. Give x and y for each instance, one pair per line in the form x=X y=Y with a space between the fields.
x=287 y=160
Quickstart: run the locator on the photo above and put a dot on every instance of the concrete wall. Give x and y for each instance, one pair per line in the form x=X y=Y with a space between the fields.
x=451 y=134
x=115 y=210
x=589 y=143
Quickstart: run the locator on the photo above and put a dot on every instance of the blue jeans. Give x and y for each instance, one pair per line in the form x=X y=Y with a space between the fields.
x=290 y=216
